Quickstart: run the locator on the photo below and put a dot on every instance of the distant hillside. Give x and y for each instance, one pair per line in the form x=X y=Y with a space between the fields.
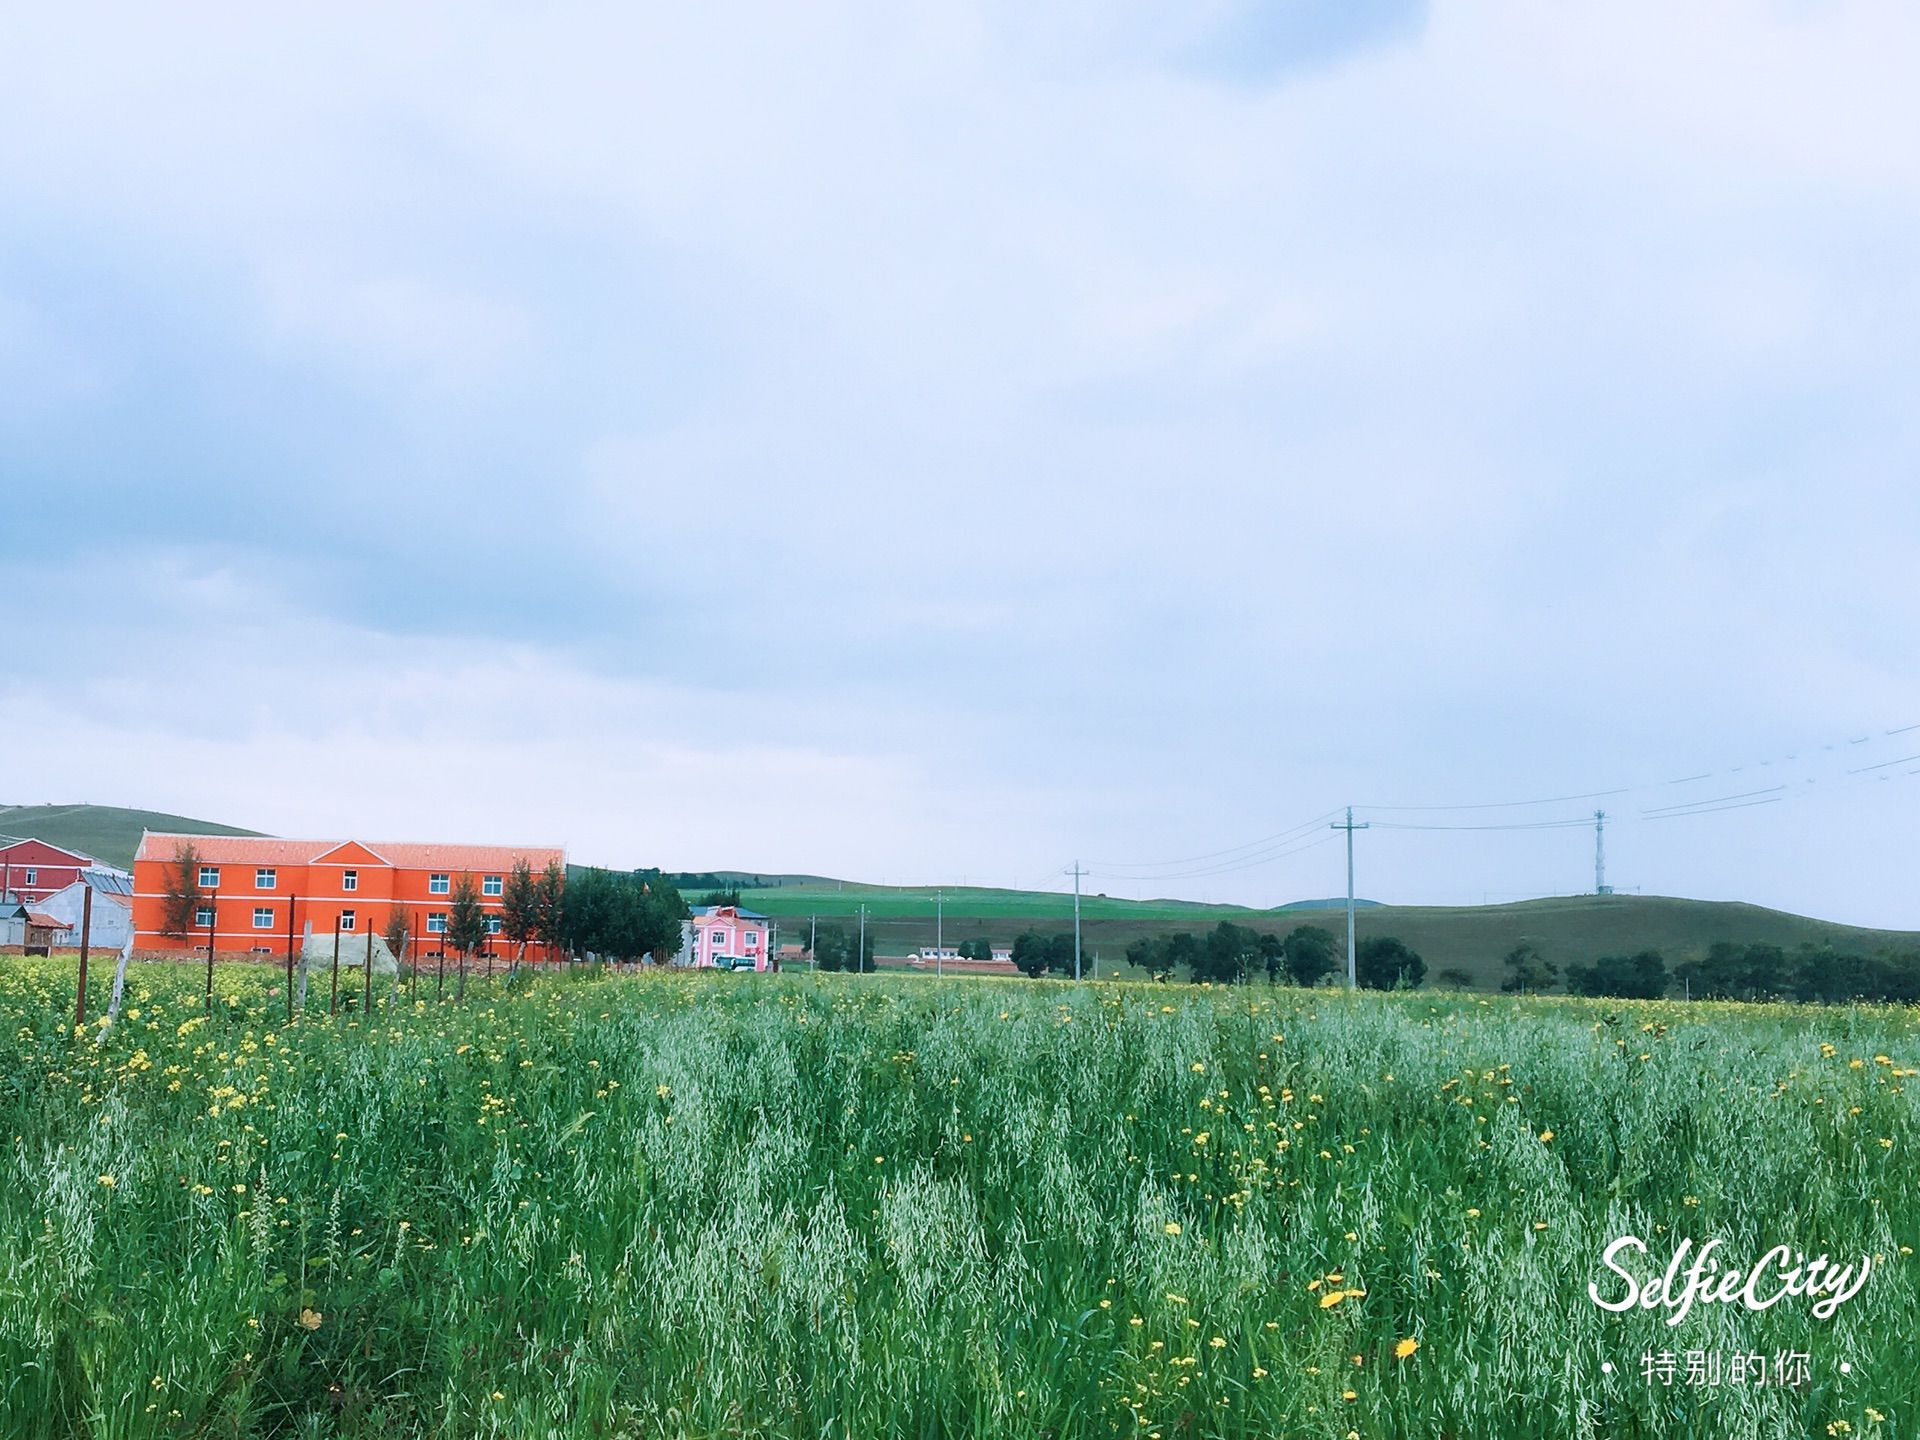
x=106 y=832
x=1473 y=938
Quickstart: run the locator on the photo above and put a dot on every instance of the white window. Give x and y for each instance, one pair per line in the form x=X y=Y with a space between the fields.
x=493 y=925
x=348 y=919
x=492 y=885
x=263 y=950
x=210 y=877
x=719 y=938
x=349 y=879
x=438 y=885
x=203 y=916
x=752 y=938
x=33 y=876
x=263 y=917
x=437 y=923
x=265 y=878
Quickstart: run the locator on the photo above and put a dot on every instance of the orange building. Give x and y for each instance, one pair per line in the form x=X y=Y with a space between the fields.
x=256 y=891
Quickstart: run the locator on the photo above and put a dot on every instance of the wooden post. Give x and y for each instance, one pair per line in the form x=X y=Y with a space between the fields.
x=333 y=997
x=86 y=937
x=366 y=1003
x=440 y=976
x=290 y=901
x=213 y=925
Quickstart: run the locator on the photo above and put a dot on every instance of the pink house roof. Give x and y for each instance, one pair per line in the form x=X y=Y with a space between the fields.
x=258 y=850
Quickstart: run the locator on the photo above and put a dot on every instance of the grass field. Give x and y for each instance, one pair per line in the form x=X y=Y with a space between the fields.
x=872 y=1206
x=1474 y=938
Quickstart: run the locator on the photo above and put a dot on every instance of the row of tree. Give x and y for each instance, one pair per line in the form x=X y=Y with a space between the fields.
x=1229 y=954
x=1813 y=973
x=837 y=948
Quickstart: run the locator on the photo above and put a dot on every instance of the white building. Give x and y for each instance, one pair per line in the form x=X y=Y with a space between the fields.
x=112 y=920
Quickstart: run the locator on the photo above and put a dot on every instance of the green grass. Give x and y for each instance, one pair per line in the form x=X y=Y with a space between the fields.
x=705 y=1206
x=1474 y=938
x=106 y=832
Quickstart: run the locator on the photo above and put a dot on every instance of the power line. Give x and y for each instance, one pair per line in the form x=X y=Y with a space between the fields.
x=1252 y=863
x=1111 y=865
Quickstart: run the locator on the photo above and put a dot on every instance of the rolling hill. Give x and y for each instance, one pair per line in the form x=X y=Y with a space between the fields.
x=1473 y=938
x=106 y=832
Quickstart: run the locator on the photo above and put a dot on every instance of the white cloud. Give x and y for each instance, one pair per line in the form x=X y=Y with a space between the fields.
x=1033 y=420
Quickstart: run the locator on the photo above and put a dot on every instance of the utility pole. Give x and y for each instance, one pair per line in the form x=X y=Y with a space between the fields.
x=860 y=954
x=1077 y=873
x=939 y=951
x=1600 y=852
x=813 y=933
x=1353 y=969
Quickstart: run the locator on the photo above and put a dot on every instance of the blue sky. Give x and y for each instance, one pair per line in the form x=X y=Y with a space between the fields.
x=937 y=443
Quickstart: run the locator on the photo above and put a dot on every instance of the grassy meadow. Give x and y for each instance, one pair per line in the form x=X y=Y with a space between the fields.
x=834 y=1206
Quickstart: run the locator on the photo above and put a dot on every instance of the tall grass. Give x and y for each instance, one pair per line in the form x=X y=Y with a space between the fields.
x=717 y=1205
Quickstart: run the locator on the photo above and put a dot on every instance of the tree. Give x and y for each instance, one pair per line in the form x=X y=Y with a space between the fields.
x=1454 y=978
x=836 y=948
x=398 y=933
x=1385 y=963
x=1030 y=954
x=1181 y=951
x=1153 y=954
x=1060 y=954
x=1273 y=952
x=520 y=909
x=550 y=908
x=183 y=891
x=728 y=896
x=1308 y=954
x=1528 y=970
x=980 y=949
x=1730 y=971
x=620 y=916
x=1228 y=954
x=466 y=926
x=1642 y=976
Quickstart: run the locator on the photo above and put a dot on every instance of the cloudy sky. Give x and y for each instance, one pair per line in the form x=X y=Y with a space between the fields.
x=939 y=442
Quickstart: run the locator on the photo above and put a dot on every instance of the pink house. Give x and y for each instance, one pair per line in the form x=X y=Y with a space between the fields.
x=726 y=936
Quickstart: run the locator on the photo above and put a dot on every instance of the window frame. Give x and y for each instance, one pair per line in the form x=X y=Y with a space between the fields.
x=266 y=877
x=204 y=882
x=439 y=884
x=349 y=881
x=258 y=911
x=493 y=885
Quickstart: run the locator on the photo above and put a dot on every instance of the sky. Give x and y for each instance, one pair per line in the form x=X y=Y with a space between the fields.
x=939 y=444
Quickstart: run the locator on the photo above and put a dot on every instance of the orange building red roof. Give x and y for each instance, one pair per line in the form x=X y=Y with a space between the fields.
x=267 y=850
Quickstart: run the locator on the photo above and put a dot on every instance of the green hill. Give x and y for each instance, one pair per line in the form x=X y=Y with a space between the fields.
x=106 y=832
x=1473 y=938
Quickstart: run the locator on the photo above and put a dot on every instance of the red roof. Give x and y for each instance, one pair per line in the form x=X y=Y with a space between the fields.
x=258 y=850
x=41 y=920
x=31 y=851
